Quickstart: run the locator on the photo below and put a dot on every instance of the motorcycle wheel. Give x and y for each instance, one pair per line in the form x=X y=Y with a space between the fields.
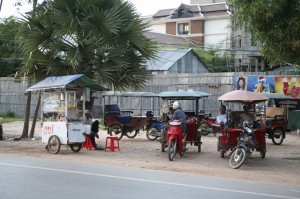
x=132 y=134
x=152 y=134
x=172 y=149
x=115 y=130
x=237 y=158
x=204 y=128
x=278 y=137
x=75 y=147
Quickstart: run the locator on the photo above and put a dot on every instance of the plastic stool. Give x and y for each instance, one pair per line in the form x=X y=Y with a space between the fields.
x=88 y=143
x=112 y=140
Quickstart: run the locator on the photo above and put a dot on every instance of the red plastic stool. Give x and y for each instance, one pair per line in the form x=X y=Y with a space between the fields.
x=112 y=145
x=88 y=143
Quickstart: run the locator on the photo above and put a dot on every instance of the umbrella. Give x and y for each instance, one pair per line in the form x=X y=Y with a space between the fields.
x=243 y=96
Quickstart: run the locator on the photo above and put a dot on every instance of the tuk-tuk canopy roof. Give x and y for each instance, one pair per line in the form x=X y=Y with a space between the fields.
x=69 y=81
x=276 y=95
x=183 y=95
x=243 y=96
x=130 y=94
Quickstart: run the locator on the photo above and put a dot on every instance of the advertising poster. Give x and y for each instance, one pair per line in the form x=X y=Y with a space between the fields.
x=240 y=83
x=288 y=85
x=261 y=83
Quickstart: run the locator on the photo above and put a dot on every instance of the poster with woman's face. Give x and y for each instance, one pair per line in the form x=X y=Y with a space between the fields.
x=260 y=83
x=240 y=83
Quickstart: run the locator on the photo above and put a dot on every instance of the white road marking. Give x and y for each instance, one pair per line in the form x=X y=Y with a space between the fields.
x=151 y=181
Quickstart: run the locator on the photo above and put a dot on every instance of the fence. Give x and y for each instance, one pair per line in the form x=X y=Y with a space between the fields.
x=13 y=98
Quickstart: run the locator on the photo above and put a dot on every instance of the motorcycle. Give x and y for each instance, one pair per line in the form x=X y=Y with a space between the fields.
x=175 y=139
x=207 y=126
x=246 y=142
x=154 y=129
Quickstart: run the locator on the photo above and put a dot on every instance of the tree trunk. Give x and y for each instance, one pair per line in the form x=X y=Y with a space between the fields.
x=35 y=115
x=27 y=116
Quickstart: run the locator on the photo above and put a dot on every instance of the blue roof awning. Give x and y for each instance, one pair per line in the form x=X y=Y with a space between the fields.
x=69 y=81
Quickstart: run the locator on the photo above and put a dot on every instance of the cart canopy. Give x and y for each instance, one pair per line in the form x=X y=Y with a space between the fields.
x=69 y=81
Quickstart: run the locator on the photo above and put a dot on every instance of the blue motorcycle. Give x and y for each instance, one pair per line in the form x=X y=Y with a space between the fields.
x=154 y=128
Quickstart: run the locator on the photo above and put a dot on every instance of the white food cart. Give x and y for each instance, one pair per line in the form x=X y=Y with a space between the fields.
x=62 y=109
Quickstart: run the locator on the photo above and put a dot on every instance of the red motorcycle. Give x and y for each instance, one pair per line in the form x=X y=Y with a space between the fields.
x=174 y=139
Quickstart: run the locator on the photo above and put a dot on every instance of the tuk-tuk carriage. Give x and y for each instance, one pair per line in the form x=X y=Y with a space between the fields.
x=227 y=140
x=276 y=116
x=62 y=109
x=127 y=122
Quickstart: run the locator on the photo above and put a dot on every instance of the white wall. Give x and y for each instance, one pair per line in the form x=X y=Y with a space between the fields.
x=159 y=28
x=217 y=33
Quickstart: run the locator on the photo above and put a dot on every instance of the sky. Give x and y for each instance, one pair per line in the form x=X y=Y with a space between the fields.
x=143 y=7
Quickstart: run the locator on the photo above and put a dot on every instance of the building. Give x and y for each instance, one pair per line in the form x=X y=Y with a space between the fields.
x=176 y=61
x=209 y=23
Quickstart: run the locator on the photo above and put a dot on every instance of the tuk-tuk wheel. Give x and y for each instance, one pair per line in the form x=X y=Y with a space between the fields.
x=75 y=147
x=54 y=144
x=278 y=136
x=115 y=130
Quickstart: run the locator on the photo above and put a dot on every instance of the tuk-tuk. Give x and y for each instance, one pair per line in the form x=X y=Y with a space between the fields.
x=227 y=140
x=190 y=102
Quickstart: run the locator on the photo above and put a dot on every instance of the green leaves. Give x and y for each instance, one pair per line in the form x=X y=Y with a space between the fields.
x=274 y=24
x=100 y=38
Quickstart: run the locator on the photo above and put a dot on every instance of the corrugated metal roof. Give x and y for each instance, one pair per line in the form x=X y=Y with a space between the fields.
x=166 y=58
x=168 y=39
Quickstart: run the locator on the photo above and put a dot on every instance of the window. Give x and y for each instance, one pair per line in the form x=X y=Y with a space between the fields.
x=183 y=28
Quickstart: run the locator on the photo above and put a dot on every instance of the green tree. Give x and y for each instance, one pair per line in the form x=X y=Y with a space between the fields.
x=213 y=60
x=9 y=52
x=102 y=39
x=274 y=25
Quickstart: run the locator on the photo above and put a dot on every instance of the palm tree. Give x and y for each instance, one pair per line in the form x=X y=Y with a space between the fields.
x=102 y=39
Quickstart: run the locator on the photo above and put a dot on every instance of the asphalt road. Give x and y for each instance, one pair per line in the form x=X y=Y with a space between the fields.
x=31 y=177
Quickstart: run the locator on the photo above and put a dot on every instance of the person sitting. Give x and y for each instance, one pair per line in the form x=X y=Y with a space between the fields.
x=247 y=115
x=94 y=128
x=221 y=119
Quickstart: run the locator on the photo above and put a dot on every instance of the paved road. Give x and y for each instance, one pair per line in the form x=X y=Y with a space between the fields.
x=31 y=177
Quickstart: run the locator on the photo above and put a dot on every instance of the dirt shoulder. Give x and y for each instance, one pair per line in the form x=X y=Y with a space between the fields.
x=281 y=165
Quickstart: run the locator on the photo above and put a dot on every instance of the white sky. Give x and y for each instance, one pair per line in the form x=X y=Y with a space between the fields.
x=143 y=7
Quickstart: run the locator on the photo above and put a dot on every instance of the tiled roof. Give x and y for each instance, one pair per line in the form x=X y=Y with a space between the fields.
x=207 y=10
x=166 y=39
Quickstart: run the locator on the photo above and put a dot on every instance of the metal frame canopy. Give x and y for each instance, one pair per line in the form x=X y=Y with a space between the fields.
x=185 y=95
x=130 y=94
x=67 y=82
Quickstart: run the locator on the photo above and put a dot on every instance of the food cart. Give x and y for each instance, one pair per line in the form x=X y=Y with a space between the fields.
x=62 y=109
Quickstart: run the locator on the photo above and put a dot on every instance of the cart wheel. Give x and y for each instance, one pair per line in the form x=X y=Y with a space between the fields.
x=54 y=144
x=132 y=134
x=75 y=147
x=262 y=152
x=237 y=158
x=172 y=150
x=278 y=136
x=115 y=130
x=204 y=128
x=152 y=134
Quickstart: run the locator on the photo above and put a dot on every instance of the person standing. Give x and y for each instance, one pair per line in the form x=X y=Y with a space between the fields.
x=94 y=128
